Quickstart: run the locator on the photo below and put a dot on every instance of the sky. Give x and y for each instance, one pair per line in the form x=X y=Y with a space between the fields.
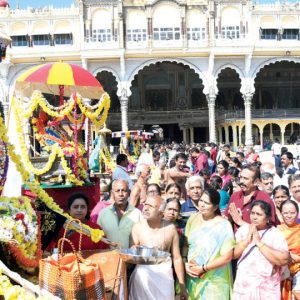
x=39 y=3
x=67 y=3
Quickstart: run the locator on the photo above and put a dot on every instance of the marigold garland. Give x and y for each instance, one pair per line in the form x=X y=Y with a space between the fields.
x=96 y=234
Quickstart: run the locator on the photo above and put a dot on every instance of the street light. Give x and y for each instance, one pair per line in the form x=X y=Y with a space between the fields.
x=5 y=40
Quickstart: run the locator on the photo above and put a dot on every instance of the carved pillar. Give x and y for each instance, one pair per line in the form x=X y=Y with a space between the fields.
x=220 y=134
x=184 y=133
x=211 y=100
x=261 y=133
x=124 y=112
x=271 y=132
x=234 y=136
x=282 y=131
x=248 y=124
x=240 y=135
x=192 y=135
x=226 y=127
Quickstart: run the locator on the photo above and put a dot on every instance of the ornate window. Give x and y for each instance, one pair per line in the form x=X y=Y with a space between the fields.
x=63 y=39
x=136 y=35
x=19 y=41
x=290 y=34
x=41 y=40
x=196 y=33
x=167 y=33
x=102 y=35
x=230 y=32
x=268 y=34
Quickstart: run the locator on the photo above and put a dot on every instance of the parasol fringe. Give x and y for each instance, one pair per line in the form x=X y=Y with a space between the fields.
x=25 y=283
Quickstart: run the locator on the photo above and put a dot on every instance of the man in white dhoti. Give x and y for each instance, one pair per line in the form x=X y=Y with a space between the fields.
x=156 y=282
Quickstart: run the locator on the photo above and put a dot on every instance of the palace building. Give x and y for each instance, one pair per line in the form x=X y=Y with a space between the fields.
x=221 y=71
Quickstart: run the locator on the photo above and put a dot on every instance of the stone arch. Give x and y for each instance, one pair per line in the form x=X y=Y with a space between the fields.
x=131 y=76
x=244 y=83
x=273 y=61
x=292 y=131
x=18 y=28
x=223 y=91
x=41 y=27
x=62 y=26
x=110 y=70
x=157 y=2
x=276 y=131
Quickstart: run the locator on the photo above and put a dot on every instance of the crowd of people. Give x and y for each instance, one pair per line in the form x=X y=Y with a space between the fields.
x=229 y=222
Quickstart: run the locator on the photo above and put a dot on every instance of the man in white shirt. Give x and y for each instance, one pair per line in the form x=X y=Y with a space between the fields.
x=276 y=148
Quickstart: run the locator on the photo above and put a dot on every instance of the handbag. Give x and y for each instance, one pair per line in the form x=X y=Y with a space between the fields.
x=70 y=276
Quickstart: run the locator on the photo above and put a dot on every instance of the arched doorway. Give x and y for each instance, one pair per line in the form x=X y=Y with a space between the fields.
x=277 y=87
x=229 y=96
x=110 y=85
x=270 y=133
x=292 y=133
x=171 y=95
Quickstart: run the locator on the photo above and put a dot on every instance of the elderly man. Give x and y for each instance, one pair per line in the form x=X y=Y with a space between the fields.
x=240 y=202
x=156 y=281
x=138 y=193
x=118 y=219
x=195 y=187
x=267 y=183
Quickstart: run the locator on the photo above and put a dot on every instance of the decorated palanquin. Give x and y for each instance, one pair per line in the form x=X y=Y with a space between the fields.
x=55 y=106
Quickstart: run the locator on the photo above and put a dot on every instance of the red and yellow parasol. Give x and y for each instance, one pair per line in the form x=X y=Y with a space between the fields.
x=47 y=78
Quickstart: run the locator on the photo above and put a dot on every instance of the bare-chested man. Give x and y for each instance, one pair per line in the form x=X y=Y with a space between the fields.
x=179 y=173
x=138 y=193
x=156 y=281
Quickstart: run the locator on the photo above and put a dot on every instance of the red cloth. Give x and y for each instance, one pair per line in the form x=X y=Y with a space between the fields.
x=238 y=199
x=201 y=163
x=87 y=243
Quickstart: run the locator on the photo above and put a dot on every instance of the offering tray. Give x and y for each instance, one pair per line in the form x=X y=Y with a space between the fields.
x=143 y=255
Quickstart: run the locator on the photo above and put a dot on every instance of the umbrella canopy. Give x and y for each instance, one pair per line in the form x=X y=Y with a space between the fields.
x=48 y=77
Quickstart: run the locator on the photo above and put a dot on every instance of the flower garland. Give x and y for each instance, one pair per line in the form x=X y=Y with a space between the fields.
x=55 y=151
x=96 y=234
x=19 y=230
x=15 y=292
x=109 y=163
x=59 y=112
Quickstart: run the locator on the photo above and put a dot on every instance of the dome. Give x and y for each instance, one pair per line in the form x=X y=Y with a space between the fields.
x=4 y=3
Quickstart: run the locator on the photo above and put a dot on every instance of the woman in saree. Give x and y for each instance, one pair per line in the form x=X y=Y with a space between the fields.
x=209 y=246
x=262 y=251
x=291 y=231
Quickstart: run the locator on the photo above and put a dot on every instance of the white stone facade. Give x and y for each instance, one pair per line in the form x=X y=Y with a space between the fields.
x=127 y=38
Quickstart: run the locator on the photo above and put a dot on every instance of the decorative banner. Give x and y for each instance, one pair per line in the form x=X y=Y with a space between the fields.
x=134 y=134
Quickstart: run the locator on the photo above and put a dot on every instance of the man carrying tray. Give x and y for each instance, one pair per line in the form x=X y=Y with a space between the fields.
x=156 y=281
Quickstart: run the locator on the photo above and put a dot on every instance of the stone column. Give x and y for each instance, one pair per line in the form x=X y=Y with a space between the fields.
x=211 y=100
x=226 y=134
x=184 y=134
x=261 y=133
x=124 y=112
x=282 y=130
x=220 y=135
x=240 y=135
x=271 y=132
x=248 y=124
x=192 y=135
x=234 y=136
